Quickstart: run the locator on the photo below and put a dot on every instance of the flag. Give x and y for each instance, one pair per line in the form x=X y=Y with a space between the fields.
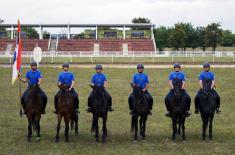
x=17 y=57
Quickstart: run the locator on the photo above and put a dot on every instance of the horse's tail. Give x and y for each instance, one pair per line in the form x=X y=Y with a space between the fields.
x=132 y=123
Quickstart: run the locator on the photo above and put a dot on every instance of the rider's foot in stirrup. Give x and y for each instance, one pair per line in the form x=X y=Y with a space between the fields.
x=76 y=111
x=168 y=114
x=187 y=114
x=218 y=111
x=111 y=109
x=196 y=111
x=55 y=111
x=150 y=112
x=88 y=109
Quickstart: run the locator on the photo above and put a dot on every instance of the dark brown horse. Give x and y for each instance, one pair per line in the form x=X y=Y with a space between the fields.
x=99 y=108
x=34 y=108
x=141 y=109
x=65 y=109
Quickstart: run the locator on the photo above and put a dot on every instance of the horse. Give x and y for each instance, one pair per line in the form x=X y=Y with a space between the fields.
x=140 y=109
x=207 y=107
x=99 y=108
x=34 y=107
x=178 y=109
x=65 y=109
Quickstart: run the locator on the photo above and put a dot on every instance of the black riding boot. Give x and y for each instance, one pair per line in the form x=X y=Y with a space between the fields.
x=56 y=102
x=130 y=102
x=89 y=103
x=217 y=100
x=150 y=101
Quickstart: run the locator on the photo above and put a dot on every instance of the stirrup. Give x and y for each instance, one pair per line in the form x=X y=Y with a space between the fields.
x=168 y=114
x=187 y=114
x=111 y=109
x=150 y=112
x=131 y=112
x=218 y=111
x=88 y=109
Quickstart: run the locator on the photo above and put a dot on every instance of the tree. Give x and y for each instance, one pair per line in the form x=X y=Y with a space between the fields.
x=177 y=37
x=228 y=38
x=213 y=35
x=46 y=35
x=141 y=20
x=31 y=33
x=162 y=35
x=201 y=35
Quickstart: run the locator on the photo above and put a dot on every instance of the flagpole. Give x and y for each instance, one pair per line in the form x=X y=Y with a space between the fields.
x=21 y=113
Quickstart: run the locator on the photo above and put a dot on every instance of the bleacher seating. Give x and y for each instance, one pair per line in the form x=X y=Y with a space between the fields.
x=136 y=45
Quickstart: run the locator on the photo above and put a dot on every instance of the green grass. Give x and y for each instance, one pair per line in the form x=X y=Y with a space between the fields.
x=157 y=60
x=13 y=129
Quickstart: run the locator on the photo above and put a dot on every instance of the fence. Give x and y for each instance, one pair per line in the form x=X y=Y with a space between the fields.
x=130 y=57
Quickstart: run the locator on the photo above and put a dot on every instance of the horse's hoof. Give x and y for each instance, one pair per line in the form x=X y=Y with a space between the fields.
x=29 y=140
x=104 y=141
x=184 y=140
x=67 y=141
x=134 y=141
x=203 y=138
x=210 y=138
x=76 y=132
x=56 y=139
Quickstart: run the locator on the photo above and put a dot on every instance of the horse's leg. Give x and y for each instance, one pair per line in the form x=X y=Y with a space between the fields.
x=179 y=126
x=38 y=127
x=76 y=123
x=59 y=118
x=183 y=128
x=66 y=131
x=210 y=127
x=141 y=126
x=104 y=128
x=136 y=127
x=93 y=124
x=144 y=126
x=174 y=127
x=96 y=125
x=29 y=129
x=204 y=126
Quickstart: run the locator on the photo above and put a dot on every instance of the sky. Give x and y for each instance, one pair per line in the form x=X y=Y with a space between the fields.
x=160 y=12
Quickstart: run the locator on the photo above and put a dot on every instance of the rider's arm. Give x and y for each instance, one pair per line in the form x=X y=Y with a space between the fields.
x=171 y=85
x=213 y=84
x=105 y=84
x=200 y=83
x=183 y=84
x=146 y=87
x=39 y=81
x=72 y=85
x=22 y=79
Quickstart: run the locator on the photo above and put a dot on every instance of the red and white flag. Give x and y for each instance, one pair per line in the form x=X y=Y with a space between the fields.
x=17 y=57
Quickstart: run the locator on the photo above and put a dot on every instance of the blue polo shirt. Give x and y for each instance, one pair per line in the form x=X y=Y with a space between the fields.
x=66 y=78
x=33 y=77
x=206 y=75
x=140 y=79
x=177 y=75
x=98 y=79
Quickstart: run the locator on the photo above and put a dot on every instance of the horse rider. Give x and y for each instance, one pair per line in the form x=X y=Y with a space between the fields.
x=99 y=79
x=67 y=78
x=141 y=79
x=177 y=74
x=206 y=74
x=33 y=77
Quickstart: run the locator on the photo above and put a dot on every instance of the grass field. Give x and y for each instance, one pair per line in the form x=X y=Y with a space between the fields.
x=13 y=129
x=127 y=60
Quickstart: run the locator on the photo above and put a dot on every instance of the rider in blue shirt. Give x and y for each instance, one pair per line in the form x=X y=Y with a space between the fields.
x=33 y=77
x=177 y=74
x=206 y=74
x=68 y=79
x=141 y=79
x=99 y=79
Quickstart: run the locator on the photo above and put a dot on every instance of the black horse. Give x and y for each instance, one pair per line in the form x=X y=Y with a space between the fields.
x=65 y=108
x=99 y=108
x=34 y=107
x=140 y=109
x=207 y=107
x=178 y=108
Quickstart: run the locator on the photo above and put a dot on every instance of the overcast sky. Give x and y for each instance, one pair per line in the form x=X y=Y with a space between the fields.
x=161 y=12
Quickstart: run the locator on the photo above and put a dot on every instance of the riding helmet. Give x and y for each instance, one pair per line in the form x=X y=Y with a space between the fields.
x=98 y=66
x=140 y=66
x=177 y=65
x=206 y=65
x=65 y=64
x=33 y=63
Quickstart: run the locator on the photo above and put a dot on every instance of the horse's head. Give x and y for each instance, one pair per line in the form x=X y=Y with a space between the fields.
x=64 y=87
x=97 y=90
x=177 y=83
x=137 y=91
x=33 y=88
x=206 y=87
